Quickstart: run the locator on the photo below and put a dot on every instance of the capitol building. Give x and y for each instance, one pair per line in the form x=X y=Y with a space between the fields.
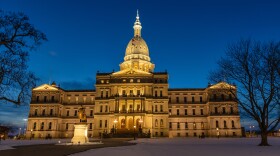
x=135 y=99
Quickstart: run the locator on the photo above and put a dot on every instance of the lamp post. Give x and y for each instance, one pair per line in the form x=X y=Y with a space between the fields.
x=251 y=130
x=19 y=133
x=24 y=126
x=134 y=132
x=218 y=133
x=31 y=134
x=115 y=128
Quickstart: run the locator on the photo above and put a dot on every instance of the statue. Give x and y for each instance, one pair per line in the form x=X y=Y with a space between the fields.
x=82 y=115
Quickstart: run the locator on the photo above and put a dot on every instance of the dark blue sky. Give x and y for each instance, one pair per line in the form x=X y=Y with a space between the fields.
x=186 y=38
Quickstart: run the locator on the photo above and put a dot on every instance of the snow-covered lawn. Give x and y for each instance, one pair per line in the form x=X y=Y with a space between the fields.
x=191 y=147
x=8 y=144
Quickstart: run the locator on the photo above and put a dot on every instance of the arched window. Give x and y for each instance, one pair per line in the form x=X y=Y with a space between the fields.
x=232 y=124
x=42 y=125
x=34 y=126
x=217 y=124
x=123 y=123
x=156 y=123
x=161 y=122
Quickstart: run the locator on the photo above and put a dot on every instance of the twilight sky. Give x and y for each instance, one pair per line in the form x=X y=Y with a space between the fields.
x=185 y=37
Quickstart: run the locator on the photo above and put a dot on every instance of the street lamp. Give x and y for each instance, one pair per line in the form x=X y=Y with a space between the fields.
x=115 y=128
x=24 y=126
x=251 y=130
x=31 y=134
x=134 y=132
x=218 y=133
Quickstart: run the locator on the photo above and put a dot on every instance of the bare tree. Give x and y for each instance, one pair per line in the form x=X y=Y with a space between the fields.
x=17 y=38
x=254 y=67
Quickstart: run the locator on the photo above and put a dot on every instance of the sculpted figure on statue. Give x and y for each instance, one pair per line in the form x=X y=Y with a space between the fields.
x=82 y=115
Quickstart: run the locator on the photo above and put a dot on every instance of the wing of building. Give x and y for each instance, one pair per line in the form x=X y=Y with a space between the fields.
x=135 y=99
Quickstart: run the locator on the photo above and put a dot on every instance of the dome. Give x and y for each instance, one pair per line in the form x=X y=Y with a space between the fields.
x=137 y=48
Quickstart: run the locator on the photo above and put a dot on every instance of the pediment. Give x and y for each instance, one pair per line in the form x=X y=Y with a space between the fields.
x=46 y=87
x=128 y=72
x=222 y=85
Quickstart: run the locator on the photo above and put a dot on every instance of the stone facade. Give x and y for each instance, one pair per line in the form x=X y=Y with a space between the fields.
x=135 y=98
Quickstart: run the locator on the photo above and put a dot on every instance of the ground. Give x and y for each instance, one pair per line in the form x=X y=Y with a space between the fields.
x=147 y=147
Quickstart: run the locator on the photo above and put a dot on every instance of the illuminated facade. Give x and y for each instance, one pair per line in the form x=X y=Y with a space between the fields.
x=135 y=98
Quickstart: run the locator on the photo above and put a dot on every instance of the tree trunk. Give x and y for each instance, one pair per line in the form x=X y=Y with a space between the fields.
x=264 y=140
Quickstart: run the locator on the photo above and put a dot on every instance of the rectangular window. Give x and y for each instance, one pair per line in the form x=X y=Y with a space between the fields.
x=231 y=110
x=50 y=126
x=44 y=112
x=138 y=92
x=170 y=125
x=178 y=134
x=123 y=92
x=52 y=98
x=67 y=113
x=193 y=111
x=194 y=134
x=200 y=99
x=76 y=112
x=37 y=99
x=131 y=92
x=42 y=125
x=186 y=112
x=36 y=112
x=178 y=112
x=34 y=126
x=90 y=126
x=201 y=111
x=51 y=112
x=193 y=99
x=66 y=126
x=91 y=112
x=169 y=99
x=161 y=108
x=101 y=109
x=161 y=133
x=107 y=94
x=216 y=110
x=224 y=110
x=101 y=95
x=160 y=93
x=100 y=123
x=194 y=125
x=155 y=93
x=178 y=125
x=156 y=109
x=177 y=99
x=45 y=98
x=185 y=100
x=105 y=124
x=106 y=108
x=186 y=125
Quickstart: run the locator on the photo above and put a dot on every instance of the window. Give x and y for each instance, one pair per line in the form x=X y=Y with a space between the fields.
x=169 y=99
x=161 y=108
x=66 y=126
x=106 y=108
x=177 y=99
x=186 y=125
x=186 y=112
x=43 y=112
x=170 y=125
x=131 y=81
x=101 y=94
x=202 y=125
x=37 y=99
x=200 y=99
x=52 y=98
x=161 y=123
x=193 y=111
x=42 y=125
x=231 y=110
x=215 y=97
x=138 y=80
x=225 y=124
x=123 y=92
x=156 y=109
x=178 y=125
x=131 y=92
x=224 y=110
x=101 y=109
x=178 y=112
x=178 y=134
x=161 y=133
x=193 y=99
x=216 y=110
x=100 y=123
x=232 y=124
x=34 y=126
x=45 y=98
x=156 y=123
x=36 y=112
x=230 y=96
x=105 y=124
x=187 y=134
x=185 y=100
x=90 y=126
x=156 y=134
x=194 y=125
x=223 y=97
x=91 y=112
x=160 y=93
x=50 y=126
x=155 y=93
x=107 y=94
x=67 y=114
x=51 y=112
x=138 y=107
x=217 y=124
x=201 y=111
x=138 y=92
x=194 y=134
x=75 y=113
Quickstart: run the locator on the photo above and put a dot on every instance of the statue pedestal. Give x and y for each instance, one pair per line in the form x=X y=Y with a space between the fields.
x=80 y=134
